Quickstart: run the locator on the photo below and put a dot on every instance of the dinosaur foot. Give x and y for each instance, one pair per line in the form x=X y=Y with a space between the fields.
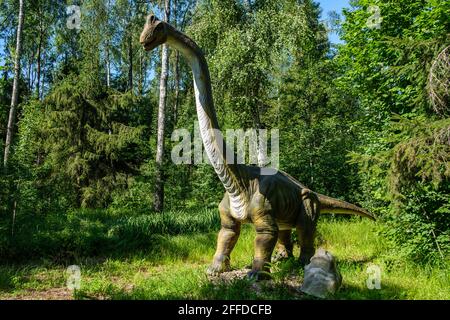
x=219 y=265
x=281 y=255
x=260 y=270
x=259 y=275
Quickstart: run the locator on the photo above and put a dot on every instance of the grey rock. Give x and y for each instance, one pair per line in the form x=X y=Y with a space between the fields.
x=322 y=278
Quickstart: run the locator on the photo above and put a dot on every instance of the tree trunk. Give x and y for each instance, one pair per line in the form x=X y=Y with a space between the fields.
x=108 y=66
x=38 y=87
x=30 y=66
x=130 y=57
x=42 y=86
x=248 y=4
x=39 y=53
x=177 y=88
x=312 y=148
x=261 y=143
x=141 y=74
x=159 y=183
x=177 y=70
x=108 y=61
x=15 y=91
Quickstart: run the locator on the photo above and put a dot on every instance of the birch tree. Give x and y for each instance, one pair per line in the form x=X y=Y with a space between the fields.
x=159 y=183
x=15 y=91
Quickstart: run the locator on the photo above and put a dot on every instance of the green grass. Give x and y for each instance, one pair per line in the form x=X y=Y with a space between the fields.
x=66 y=237
x=173 y=267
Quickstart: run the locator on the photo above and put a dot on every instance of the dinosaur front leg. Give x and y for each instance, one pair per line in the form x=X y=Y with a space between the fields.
x=284 y=246
x=265 y=240
x=306 y=235
x=228 y=236
x=306 y=227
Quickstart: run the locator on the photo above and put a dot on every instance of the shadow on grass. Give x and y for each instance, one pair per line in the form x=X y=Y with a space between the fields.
x=64 y=238
x=243 y=289
x=387 y=292
x=7 y=280
x=234 y=285
x=355 y=263
x=90 y=238
x=157 y=249
x=240 y=289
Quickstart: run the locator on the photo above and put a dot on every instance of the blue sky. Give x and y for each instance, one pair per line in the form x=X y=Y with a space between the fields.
x=333 y=5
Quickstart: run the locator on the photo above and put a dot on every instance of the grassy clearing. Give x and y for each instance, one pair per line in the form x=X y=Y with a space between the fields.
x=173 y=267
x=64 y=238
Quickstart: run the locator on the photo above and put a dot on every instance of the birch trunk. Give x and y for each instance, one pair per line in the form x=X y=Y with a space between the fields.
x=176 y=69
x=177 y=88
x=159 y=183
x=39 y=50
x=107 y=57
x=15 y=91
x=108 y=66
x=130 y=58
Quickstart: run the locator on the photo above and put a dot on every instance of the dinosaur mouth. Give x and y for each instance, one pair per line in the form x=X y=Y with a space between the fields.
x=150 y=45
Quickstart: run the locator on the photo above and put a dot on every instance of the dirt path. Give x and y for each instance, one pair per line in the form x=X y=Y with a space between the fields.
x=50 y=294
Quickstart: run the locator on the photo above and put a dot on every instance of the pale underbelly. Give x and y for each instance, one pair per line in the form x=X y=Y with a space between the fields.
x=281 y=225
x=285 y=226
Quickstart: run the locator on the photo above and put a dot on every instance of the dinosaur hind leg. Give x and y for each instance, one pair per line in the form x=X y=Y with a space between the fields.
x=306 y=227
x=284 y=246
x=228 y=236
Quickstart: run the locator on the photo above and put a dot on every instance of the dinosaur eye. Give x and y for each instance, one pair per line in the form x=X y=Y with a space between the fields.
x=151 y=19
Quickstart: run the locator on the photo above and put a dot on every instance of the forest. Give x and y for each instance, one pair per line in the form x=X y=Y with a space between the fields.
x=88 y=121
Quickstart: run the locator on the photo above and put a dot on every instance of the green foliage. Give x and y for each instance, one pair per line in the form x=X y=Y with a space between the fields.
x=419 y=151
x=317 y=129
x=270 y=69
x=138 y=196
x=422 y=224
x=84 y=139
x=206 y=192
x=246 y=48
x=403 y=155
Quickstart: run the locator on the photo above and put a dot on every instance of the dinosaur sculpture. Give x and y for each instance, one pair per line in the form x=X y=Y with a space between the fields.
x=275 y=204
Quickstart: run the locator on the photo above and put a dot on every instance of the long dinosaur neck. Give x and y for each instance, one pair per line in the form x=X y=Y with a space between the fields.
x=230 y=173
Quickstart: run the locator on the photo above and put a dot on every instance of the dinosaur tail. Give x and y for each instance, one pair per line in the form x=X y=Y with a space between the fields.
x=331 y=205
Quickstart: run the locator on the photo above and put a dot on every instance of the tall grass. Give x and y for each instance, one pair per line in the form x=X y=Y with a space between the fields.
x=165 y=256
x=96 y=232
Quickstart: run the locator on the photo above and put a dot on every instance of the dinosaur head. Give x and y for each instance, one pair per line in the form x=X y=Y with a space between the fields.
x=154 y=33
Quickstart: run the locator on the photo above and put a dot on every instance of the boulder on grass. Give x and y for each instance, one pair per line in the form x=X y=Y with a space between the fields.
x=322 y=278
